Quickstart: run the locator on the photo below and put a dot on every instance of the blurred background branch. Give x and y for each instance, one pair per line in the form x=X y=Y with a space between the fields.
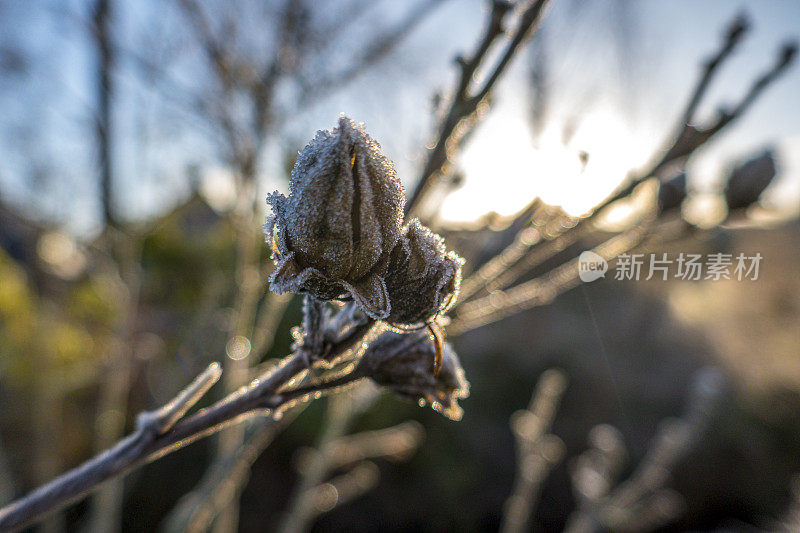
x=537 y=451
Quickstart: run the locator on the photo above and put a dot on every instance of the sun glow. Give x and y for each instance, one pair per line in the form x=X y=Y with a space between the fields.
x=504 y=170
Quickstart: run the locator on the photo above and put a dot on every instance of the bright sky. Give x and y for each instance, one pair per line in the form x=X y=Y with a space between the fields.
x=515 y=172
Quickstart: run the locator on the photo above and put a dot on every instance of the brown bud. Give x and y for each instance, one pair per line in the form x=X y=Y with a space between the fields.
x=746 y=182
x=672 y=192
x=404 y=363
x=333 y=235
x=423 y=278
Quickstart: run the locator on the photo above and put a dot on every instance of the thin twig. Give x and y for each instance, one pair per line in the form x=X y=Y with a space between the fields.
x=224 y=480
x=465 y=104
x=544 y=289
x=372 y=53
x=530 y=248
x=733 y=37
x=537 y=451
x=77 y=482
x=266 y=323
x=643 y=502
x=341 y=411
x=158 y=434
x=688 y=137
x=501 y=272
x=126 y=251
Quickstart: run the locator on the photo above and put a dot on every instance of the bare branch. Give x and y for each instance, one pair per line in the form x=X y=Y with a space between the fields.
x=733 y=37
x=552 y=245
x=690 y=137
x=537 y=451
x=160 y=433
x=380 y=47
x=106 y=60
x=114 y=461
x=224 y=480
x=212 y=46
x=516 y=260
x=544 y=289
x=465 y=104
x=546 y=224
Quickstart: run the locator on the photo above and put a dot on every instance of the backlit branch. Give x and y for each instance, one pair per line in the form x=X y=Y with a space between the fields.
x=543 y=289
x=690 y=137
x=465 y=104
x=528 y=251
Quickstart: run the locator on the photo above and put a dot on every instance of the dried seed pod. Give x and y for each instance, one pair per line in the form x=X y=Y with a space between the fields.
x=404 y=363
x=747 y=181
x=333 y=235
x=423 y=277
x=671 y=193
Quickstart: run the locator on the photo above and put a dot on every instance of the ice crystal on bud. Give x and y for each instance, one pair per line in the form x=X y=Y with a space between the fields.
x=404 y=363
x=423 y=278
x=333 y=235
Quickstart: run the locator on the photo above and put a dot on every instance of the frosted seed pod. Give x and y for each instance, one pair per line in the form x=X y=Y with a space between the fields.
x=333 y=235
x=404 y=363
x=423 y=278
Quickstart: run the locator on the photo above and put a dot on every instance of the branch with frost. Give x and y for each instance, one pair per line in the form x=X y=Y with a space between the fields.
x=689 y=136
x=161 y=432
x=543 y=289
x=400 y=276
x=397 y=362
x=556 y=230
x=531 y=246
x=465 y=103
x=656 y=225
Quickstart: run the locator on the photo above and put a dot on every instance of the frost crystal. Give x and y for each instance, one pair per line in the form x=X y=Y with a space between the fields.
x=404 y=363
x=333 y=235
